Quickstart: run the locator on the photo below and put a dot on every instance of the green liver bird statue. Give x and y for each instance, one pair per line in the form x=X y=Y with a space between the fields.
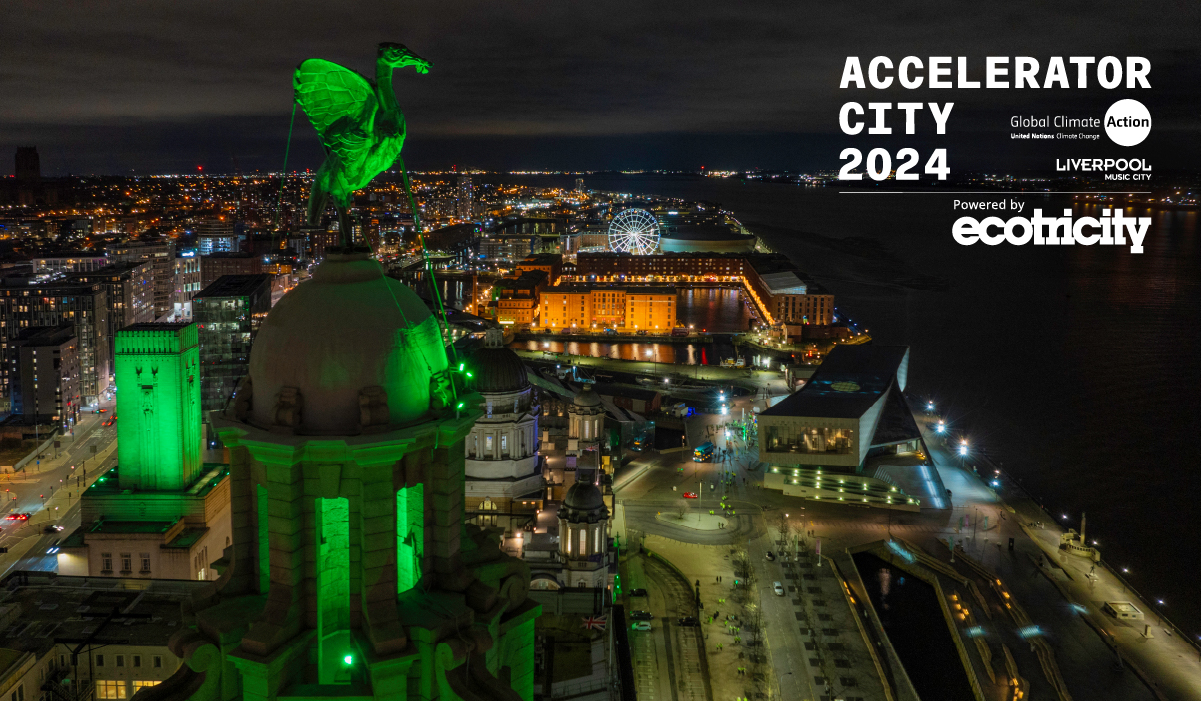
x=360 y=125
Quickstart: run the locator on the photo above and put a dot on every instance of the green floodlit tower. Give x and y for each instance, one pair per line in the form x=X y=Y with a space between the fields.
x=158 y=406
x=352 y=572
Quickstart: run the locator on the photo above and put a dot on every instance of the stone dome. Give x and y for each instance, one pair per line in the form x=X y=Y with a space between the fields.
x=587 y=397
x=497 y=369
x=347 y=332
x=583 y=502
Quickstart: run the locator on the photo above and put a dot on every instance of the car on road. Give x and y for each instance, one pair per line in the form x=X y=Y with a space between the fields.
x=52 y=528
x=641 y=615
x=771 y=557
x=687 y=622
x=690 y=495
x=778 y=588
x=641 y=625
x=637 y=592
x=17 y=517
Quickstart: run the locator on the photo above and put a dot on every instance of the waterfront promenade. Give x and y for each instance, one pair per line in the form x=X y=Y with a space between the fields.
x=1061 y=600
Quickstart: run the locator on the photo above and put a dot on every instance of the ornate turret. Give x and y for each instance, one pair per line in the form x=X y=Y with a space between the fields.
x=351 y=562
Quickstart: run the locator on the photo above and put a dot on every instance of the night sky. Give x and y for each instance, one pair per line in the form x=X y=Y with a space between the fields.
x=151 y=87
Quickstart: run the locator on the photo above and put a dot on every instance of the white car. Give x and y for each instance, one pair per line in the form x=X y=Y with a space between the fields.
x=641 y=625
x=778 y=588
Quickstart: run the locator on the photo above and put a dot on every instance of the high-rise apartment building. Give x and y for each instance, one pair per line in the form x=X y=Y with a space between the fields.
x=82 y=304
x=129 y=289
x=162 y=258
x=45 y=383
x=465 y=195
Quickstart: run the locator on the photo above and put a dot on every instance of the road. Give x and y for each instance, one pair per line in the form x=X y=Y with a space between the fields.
x=48 y=490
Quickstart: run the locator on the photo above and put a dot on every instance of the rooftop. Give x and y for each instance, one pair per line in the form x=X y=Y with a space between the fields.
x=784 y=283
x=235 y=286
x=45 y=335
x=580 y=287
x=157 y=326
x=849 y=381
x=54 y=607
x=109 y=483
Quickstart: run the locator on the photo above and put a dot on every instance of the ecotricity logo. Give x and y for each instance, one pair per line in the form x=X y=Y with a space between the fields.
x=1127 y=122
x=1110 y=229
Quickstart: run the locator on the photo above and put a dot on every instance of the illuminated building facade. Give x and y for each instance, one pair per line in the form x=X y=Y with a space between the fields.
x=624 y=308
x=129 y=291
x=45 y=386
x=187 y=278
x=160 y=513
x=770 y=280
x=216 y=236
x=517 y=298
x=849 y=435
x=84 y=305
x=62 y=264
x=227 y=314
x=465 y=197
x=162 y=268
x=504 y=474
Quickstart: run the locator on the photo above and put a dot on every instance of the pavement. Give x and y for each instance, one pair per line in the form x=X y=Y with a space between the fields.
x=1061 y=598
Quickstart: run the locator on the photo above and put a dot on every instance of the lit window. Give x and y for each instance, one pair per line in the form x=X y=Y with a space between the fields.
x=110 y=689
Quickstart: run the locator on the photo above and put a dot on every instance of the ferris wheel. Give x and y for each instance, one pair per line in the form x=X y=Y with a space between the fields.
x=634 y=231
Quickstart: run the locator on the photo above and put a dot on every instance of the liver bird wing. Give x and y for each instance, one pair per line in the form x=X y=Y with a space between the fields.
x=329 y=94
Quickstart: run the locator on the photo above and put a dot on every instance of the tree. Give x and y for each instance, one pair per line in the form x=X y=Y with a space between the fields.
x=752 y=623
x=784 y=526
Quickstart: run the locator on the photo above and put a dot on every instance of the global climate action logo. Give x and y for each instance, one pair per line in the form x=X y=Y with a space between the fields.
x=1127 y=122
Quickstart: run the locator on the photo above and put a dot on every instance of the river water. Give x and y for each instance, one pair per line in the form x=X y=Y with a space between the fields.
x=1075 y=366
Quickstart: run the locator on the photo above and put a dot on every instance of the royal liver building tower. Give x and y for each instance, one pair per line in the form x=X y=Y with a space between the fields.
x=351 y=572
